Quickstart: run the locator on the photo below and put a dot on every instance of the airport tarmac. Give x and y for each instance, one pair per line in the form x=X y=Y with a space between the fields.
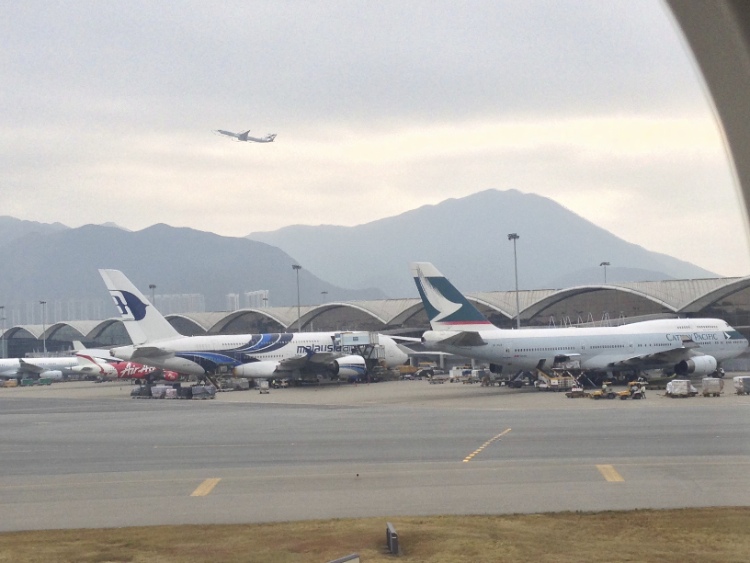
x=86 y=455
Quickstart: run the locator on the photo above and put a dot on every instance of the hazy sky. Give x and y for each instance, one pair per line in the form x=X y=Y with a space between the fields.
x=380 y=107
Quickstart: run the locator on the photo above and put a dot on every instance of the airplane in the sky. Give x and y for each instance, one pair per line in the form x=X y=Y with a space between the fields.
x=311 y=356
x=677 y=346
x=245 y=137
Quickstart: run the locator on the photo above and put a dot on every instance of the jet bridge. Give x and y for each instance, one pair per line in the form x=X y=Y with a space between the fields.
x=365 y=344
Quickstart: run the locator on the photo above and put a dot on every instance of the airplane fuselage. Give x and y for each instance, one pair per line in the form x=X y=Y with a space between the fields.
x=602 y=348
x=45 y=367
x=198 y=355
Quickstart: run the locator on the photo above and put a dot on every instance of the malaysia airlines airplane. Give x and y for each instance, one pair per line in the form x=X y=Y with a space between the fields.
x=676 y=346
x=297 y=356
x=246 y=137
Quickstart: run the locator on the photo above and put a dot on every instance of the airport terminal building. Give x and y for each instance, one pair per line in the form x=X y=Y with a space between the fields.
x=600 y=304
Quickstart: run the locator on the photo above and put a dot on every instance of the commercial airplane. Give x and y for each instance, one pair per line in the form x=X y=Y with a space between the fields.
x=677 y=346
x=109 y=371
x=33 y=368
x=298 y=356
x=90 y=365
x=132 y=370
x=246 y=137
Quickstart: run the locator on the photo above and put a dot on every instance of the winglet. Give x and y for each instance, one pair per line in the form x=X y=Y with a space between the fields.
x=446 y=307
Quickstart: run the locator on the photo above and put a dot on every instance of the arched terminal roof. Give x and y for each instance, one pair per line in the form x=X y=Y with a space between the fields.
x=194 y=324
x=69 y=330
x=25 y=331
x=722 y=297
x=565 y=294
x=504 y=302
x=679 y=294
x=716 y=294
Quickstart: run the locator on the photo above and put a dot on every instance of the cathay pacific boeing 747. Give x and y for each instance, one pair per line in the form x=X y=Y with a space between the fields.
x=677 y=346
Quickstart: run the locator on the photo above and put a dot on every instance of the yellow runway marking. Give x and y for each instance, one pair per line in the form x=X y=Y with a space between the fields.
x=469 y=457
x=610 y=473
x=206 y=487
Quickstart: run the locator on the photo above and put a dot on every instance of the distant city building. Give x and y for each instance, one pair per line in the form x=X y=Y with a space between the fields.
x=247 y=300
x=174 y=303
x=58 y=310
x=233 y=301
x=255 y=299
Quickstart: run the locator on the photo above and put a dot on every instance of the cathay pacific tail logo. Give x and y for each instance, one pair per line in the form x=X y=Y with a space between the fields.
x=129 y=306
x=444 y=306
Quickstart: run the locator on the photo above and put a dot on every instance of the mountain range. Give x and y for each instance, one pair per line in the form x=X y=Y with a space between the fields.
x=465 y=238
x=59 y=264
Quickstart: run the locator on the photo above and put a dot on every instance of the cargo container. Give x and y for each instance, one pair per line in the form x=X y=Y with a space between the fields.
x=741 y=384
x=712 y=386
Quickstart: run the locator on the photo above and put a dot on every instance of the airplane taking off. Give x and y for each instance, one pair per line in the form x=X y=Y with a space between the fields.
x=677 y=346
x=298 y=356
x=245 y=137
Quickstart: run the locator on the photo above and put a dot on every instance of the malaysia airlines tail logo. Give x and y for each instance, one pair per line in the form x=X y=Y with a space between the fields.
x=130 y=307
x=444 y=306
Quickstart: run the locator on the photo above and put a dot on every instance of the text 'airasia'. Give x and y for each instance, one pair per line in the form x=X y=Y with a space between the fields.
x=132 y=370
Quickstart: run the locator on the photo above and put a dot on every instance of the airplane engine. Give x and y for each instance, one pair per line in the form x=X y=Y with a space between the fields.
x=256 y=369
x=432 y=338
x=348 y=366
x=171 y=375
x=699 y=365
x=54 y=374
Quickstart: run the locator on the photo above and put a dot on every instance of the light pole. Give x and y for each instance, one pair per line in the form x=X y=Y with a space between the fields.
x=3 y=354
x=605 y=264
x=514 y=237
x=152 y=287
x=44 y=326
x=323 y=296
x=297 y=268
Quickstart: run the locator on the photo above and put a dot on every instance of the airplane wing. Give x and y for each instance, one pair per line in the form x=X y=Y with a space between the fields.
x=227 y=133
x=303 y=361
x=29 y=367
x=150 y=352
x=406 y=338
x=671 y=356
x=465 y=338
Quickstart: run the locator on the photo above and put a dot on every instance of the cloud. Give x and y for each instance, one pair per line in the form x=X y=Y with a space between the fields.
x=379 y=107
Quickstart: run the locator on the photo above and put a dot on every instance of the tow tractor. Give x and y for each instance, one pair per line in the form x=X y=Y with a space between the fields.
x=605 y=392
x=636 y=390
x=577 y=392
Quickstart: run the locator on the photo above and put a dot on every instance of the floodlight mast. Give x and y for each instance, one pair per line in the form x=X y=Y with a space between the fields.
x=514 y=237
x=297 y=268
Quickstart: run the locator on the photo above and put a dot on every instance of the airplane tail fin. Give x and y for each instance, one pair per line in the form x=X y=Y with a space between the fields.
x=141 y=319
x=90 y=365
x=446 y=307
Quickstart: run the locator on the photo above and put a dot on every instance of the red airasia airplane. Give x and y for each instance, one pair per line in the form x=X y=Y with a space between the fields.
x=132 y=370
